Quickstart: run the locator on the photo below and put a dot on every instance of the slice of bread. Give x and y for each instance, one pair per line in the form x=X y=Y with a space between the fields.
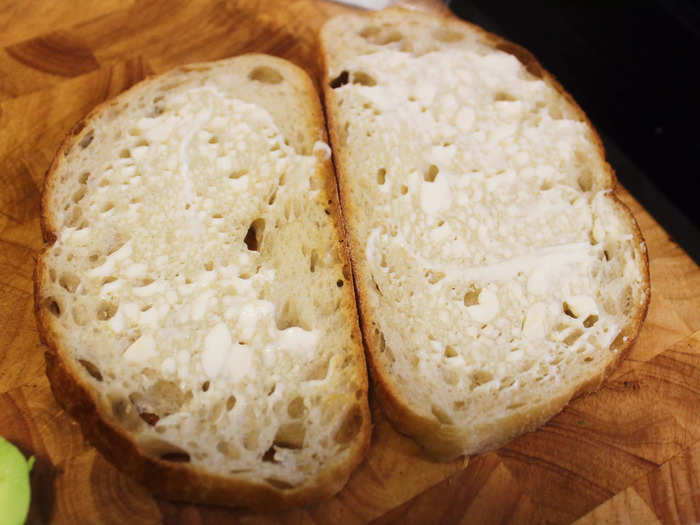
x=498 y=276
x=195 y=294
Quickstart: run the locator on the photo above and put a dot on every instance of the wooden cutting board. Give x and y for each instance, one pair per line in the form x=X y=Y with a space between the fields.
x=627 y=454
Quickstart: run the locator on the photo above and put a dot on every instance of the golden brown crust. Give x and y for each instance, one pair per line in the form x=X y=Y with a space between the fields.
x=439 y=440
x=182 y=481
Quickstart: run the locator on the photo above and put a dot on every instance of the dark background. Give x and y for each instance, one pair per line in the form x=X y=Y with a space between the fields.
x=634 y=69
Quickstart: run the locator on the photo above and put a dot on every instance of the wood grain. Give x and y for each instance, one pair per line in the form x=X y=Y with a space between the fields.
x=625 y=508
x=629 y=453
x=21 y=19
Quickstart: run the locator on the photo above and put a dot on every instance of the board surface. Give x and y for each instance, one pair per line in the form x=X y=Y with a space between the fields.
x=629 y=453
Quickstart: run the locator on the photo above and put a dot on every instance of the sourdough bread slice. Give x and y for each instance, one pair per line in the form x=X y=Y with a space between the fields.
x=195 y=294
x=498 y=275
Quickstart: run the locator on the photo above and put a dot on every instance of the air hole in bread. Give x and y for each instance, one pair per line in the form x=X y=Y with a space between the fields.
x=363 y=79
x=254 y=237
x=434 y=276
x=480 y=377
x=205 y=386
x=272 y=389
x=339 y=283
x=125 y=153
x=459 y=405
x=546 y=185
x=176 y=457
x=385 y=36
x=567 y=310
x=515 y=406
x=349 y=427
x=78 y=195
x=75 y=218
x=91 y=369
x=228 y=449
x=84 y=177
x=588 y=359
x=289 y=316
x=51 y=304
x=443 y=34
x=442 y=416
x=87 y=139
x=266 y=75
x=125 y=412
x=238 y=174
x=431 y=173
x=381 y=176
x=279 y=484
x=106 y=310
x=209 y=266
x=502 y=96
x=318 y=372
x=471 y=297
x=69 y=281
x=272 y=198
x=404 y=189
x=450 y=351
x=296 y=408
x=144 y=282
x=506 y=382
x=230 y=402
x=150 y=418
x=269 y=455
x=573 y=337
x=106 y=207
x=313 y=261
x=370 y=31
x=103 y=182
x=383 y=347
x=290 y=435
x=618 y=342
x=213 y=139
x=340 y=80
x=52 y=275
x=606 y=253
x=585 y=181
x=450 y=376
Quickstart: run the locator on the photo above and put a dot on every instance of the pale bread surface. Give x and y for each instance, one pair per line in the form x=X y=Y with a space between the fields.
x=195 y=294
x=498 y=275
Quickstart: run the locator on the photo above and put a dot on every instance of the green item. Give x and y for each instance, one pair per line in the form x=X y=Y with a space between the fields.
x=14 y=484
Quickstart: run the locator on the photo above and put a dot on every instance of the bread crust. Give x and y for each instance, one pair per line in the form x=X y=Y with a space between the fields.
x=184 y=481
x=443 y=441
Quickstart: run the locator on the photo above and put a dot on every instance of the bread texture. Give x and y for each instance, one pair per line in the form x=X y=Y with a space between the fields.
x=498 y=275
x=195 y=293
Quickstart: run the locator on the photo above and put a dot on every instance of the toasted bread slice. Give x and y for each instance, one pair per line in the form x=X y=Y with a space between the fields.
x=195 y=294
x=498 y=276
